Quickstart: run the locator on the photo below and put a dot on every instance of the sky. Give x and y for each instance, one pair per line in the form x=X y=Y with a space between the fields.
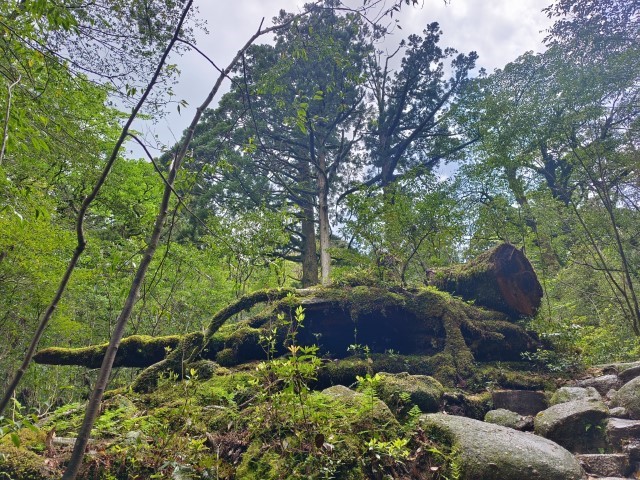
x=498 y=30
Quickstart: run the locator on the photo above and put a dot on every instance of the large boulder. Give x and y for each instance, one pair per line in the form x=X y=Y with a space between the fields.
x=401 y=391
x=493 y=452
x=629 y=397
x=571 y=394
x=625 y=371
x=579 y=426
x=602 y=383
x=524 y=402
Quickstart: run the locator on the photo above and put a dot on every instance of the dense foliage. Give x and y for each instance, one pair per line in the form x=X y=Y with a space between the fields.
x=321 y=164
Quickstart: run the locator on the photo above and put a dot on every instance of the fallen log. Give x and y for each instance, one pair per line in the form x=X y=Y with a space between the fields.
x=344 y=320
x=134 y=351
x=501 y=279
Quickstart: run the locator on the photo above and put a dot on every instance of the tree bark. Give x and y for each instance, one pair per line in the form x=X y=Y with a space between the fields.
x=323 y=218
x=309 y=253
x=502 y=279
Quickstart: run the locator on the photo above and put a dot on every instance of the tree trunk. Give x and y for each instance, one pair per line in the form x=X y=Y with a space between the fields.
x=309 y=253
x=501 y=279
x=323 y=217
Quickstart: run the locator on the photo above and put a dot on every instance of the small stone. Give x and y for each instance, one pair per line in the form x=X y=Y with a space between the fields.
x=633 y=450
x=606 y=465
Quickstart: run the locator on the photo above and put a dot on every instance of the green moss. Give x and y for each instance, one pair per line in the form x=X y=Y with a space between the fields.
x=21 y=464
x=134 y=351
x=510 y=375
x=260 y=464
x=422 y=391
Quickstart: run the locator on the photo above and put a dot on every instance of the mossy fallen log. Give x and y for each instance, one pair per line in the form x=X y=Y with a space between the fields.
x=134 y=351
x=342 y=320
x=501 y=279
x=451 y=333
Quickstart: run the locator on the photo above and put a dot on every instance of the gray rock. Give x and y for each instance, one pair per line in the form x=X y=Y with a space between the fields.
x=493 y=452
x=615 y=368
x=610 y=394
x=578 y=426
x=424 y=391
x=509 y=419
x=570 y=394
x=628 y=372
x=606 y=465
x=622 y=432
x=629 y=397
x=602 y=384
x=619 y=412
x=524 y=402
x=133 y=437
x=632 y=449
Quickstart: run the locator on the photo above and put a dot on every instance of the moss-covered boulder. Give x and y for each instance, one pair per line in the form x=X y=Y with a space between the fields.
x=468 y=405
x=571 y=394
x=21 y=464
x=579 y=426
x=369 y=413
x=452 y=334
x=401 y=391
x=492 y=452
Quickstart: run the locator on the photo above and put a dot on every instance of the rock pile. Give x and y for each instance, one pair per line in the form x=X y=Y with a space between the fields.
x=587 y=430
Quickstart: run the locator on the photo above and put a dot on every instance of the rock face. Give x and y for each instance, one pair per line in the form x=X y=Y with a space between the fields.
x=424 y=391
x=623 y=432
x=629 y=397
x=578 y=426
x=493 y=452
x=571 y=394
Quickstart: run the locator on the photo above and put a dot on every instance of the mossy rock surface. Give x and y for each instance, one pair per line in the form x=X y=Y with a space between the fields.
x=423 y=391
x=570 y=394
x=19 y=463
x=492 y=452
x=369 y=413
x=507 y=418
x=450 y=333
